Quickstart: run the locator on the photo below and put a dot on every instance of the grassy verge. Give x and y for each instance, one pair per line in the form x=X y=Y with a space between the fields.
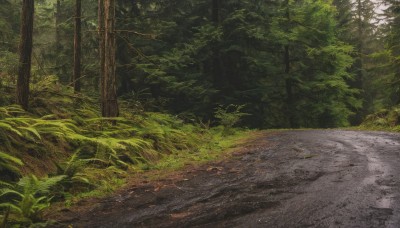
x=384 y=120
x=218 y=146
x=210 y=151
x=62 y=150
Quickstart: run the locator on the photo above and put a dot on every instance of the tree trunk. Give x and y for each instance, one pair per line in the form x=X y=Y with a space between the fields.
x=289 y=80
x=360 y=40
x=109 y=101
x=58 y=61
x=58 y=21
x=218 y=75
x=216 y=8
x=25 y=53
x=289 y=88
x=358 y=81
x=77 y=47
x=100 y=18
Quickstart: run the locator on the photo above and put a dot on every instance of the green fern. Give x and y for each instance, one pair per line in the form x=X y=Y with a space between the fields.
x=9 y=163
x=56 y=125
x=9 y=128
x=29 y=196
x=11 y=111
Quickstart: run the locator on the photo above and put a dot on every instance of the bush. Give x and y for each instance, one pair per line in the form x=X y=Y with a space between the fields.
x=27 y=199
x=229 y=116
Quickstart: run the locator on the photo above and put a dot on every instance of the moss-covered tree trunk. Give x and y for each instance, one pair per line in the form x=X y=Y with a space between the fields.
x=25 y=53
x=77 y=47
x=109 y=103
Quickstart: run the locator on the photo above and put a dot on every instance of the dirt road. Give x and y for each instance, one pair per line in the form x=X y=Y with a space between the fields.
x=313 y=178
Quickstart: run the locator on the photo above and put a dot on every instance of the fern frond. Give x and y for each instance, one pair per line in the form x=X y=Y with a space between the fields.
x=10 y=163
x=44 y=185
x=33 y=131
x=5 y=184
x=6 y=191
x=13 y=208
x=8 y=158
x=8 y=127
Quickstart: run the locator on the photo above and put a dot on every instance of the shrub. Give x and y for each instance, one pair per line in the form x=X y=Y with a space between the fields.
x=229 y=116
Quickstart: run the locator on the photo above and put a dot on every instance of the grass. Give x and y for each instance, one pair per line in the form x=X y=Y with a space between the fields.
x=219 y=147
x=63 y=134
x=209 y=151
x=383 y=120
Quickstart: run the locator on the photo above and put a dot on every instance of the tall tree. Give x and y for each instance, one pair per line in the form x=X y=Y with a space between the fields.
x=58 y=22
x=364 y=33
x=77 y=47
x=315 y=65
x=109 y=103
x=388 y=83
x=100 y=18
x=218 y=75
x=288 y=76
x=25 y=53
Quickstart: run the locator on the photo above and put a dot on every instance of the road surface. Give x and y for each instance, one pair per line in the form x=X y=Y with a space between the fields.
x=305 y=178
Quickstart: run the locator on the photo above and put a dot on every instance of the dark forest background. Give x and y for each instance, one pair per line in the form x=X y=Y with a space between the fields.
x=304 y=63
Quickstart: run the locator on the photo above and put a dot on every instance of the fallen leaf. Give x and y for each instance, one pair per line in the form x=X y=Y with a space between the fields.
x=209 y=169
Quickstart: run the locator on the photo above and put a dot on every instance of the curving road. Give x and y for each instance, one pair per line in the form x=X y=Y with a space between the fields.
x=311 y=178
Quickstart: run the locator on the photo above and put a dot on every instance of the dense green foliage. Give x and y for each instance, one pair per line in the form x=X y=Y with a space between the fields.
x=27 y=198
x=249 y=41
x=176 y=57
x=188 y=72
x=64 y=135
x=383 y=84
x=385 y=119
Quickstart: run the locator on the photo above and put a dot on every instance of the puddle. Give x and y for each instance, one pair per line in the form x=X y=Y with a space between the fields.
x=379 y=170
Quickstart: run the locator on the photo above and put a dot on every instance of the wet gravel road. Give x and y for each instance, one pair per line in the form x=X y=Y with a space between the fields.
x=310 y=178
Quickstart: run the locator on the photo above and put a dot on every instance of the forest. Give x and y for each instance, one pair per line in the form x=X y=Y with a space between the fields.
x=93 y=91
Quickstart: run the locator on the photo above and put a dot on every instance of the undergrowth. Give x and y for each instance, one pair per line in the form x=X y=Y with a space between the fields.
x=63 y=140
x=385 y=120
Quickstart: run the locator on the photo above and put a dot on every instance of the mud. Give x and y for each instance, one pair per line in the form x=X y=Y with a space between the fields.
x=313 y=178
